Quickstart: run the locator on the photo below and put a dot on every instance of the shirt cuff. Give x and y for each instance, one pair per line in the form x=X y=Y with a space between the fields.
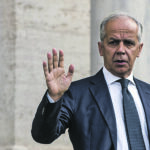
x=50 y=99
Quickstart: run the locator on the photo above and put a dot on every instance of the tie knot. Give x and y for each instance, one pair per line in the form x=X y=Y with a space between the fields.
x=124 y=83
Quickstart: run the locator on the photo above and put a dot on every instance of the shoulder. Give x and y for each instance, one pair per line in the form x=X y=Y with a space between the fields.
x=86 y=82
x=142 y=83
x=82 y=83
x=82 y=86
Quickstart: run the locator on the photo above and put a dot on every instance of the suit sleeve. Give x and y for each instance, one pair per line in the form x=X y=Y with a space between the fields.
x=52 y=119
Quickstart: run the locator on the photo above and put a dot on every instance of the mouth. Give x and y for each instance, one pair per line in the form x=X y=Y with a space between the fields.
x=120 y=62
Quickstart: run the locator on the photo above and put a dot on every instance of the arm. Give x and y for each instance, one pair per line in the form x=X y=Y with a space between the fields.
x=52 y=119
x=45 y=120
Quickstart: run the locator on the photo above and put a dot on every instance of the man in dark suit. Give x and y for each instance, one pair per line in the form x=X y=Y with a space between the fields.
x=93 y=108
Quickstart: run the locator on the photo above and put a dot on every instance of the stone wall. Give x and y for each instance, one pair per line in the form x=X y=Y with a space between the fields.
x=28 y=30
x=7 y=71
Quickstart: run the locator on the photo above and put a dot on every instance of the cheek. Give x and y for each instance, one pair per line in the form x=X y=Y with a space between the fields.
x=132 y=57
x=108 y=53
x=108 y=50
x=108 y=57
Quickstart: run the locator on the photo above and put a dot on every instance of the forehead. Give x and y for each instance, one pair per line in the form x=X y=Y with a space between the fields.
x=121 y=27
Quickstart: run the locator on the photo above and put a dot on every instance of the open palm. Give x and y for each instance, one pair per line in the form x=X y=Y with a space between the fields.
x=56 y=79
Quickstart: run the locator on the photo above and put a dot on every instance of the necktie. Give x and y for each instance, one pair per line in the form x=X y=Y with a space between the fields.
x=132 y=122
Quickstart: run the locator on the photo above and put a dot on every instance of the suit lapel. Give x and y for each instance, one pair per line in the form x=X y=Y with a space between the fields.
x=103 y=100
x=144 y=92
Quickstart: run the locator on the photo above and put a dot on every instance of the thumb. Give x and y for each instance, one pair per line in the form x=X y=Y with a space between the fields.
x=70 y=71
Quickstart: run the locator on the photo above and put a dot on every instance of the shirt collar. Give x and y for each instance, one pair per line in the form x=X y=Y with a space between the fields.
x=110 y=78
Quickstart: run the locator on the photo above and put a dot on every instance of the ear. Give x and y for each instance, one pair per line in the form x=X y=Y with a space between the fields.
x=140 y=49
x=100 y=46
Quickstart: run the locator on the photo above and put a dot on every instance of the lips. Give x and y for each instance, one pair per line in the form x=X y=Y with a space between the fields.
x=120 y=62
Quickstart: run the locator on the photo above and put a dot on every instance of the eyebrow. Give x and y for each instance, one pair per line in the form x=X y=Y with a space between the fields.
x=112 y=38
x=116 y=39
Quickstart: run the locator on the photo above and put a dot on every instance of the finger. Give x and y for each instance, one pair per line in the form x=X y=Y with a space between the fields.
x=55 y=58
x=45 y=69
x=70 y=72
x=61 y=59
x=50 y=62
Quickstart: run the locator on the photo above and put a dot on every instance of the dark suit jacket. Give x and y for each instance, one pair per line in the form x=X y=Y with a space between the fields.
x=87 y=110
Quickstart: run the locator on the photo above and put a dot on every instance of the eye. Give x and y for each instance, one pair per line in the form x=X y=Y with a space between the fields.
x=113 y=42
x=129 y=43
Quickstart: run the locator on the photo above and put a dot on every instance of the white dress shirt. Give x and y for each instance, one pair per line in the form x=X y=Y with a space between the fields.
x=115 y=91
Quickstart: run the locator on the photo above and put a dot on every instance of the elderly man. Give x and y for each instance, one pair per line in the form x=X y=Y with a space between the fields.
x=107 y=111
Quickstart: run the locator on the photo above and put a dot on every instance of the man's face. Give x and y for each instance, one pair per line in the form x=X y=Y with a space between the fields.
x=120 y=46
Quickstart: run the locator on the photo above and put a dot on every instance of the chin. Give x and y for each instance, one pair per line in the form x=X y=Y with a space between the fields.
x=121 y=72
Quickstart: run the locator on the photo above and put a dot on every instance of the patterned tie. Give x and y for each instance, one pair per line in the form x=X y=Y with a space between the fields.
x=132 y=122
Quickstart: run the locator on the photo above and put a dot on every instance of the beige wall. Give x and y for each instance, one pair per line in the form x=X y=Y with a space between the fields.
x=7 y=71
x=28 y=30
x=41 y=26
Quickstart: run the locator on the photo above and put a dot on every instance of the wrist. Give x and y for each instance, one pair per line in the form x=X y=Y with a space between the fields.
x=55 y=97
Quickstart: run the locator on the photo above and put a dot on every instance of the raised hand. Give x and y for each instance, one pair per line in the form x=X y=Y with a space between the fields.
x=56 y=79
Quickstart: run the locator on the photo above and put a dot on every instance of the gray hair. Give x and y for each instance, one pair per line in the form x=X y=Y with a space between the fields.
x=114 y=16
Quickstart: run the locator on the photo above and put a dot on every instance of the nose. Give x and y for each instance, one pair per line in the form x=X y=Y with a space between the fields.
x=121 y=48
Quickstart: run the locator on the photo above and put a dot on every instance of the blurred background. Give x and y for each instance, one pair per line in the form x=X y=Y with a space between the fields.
x=31 y=28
